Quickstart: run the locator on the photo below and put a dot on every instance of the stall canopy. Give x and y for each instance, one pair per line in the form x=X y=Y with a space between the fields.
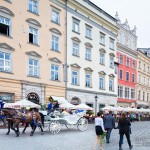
x=60 y=100
x=67 y=105
x=83 y=106
x=25 y=103
x=110 y=108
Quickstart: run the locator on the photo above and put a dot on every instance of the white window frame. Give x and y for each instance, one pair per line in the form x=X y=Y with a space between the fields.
x=139 y=94
x=75 y=49
x=88 y=54
x=102 y=58
x=120 y=59
x=33 y=7
x=120 y=91
x=37 y=67
x=34 y=34
x=133 y=76
x=133 y=93
x=76 y=22
x=56 y=72
x=111 y=62
x=126 y=76
x=111 y=84
x=54 y=15
x=51 y=41
x=143 y=96
x=139 y=78
x=127 y=61
x=102 y=82
x=112 y=44
x=88 y=32
x=73 y=77
x=102 y=38
x=133 y=64
x=88 y=82
x=122 y=75
x=127 y=92
x=7 y=68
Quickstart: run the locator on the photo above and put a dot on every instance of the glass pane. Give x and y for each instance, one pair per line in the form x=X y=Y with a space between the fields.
x=7 y=56
x=30 y=61
x=1 y=55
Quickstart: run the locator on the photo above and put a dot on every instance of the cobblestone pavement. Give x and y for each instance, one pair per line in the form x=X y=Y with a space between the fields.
x=74 y=139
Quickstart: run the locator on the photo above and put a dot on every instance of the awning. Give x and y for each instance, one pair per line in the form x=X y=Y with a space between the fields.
x=60 y=100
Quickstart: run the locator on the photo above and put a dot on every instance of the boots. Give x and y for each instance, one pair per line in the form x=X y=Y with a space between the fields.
x=120 y=147
x=131 y=147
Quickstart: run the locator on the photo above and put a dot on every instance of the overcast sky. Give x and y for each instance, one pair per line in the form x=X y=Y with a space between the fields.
x=137 y=12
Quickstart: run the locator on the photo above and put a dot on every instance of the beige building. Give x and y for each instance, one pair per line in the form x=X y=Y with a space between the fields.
x=143 y=81
x=32 y=49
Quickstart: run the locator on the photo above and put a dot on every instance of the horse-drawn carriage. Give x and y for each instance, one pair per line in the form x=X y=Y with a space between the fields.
x=55 y=120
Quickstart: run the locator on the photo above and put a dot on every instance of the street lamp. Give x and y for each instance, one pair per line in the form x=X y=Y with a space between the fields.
x=96 y=97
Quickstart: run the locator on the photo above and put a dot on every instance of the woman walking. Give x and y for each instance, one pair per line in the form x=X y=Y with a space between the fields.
x=124 y=128
x=99 y=129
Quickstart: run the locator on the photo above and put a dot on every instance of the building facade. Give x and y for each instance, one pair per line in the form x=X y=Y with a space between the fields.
x=143 y=78
x=127 y=59
x=91 y=52
x=32 y=49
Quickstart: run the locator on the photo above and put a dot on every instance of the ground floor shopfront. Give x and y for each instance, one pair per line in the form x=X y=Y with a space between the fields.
x=83 y=96
x=15 y=90
x=126 y=103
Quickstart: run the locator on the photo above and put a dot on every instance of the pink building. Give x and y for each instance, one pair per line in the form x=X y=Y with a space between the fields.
x=127 y=59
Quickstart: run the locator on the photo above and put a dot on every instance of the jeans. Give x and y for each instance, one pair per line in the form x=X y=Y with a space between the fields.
x=121 y=139
x=108 y=134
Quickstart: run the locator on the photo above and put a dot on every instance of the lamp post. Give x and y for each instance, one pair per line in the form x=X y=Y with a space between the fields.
x=96 y=97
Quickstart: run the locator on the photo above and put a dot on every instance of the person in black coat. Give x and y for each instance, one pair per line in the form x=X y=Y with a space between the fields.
x=124 y=128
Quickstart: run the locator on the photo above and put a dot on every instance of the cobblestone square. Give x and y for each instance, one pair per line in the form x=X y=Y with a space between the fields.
x=73 y=139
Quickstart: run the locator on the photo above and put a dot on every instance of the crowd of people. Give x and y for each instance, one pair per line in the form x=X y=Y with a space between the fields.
x=105 y=124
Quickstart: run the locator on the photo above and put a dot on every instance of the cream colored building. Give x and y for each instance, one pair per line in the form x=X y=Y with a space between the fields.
x=143 y=81
x=91 y=52
x=32 y=49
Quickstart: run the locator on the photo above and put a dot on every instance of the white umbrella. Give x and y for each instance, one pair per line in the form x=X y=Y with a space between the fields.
x=67 y=105
x=26 y=103
x=8 y=105
x=60 y=100
x=119 y=108
x=83 y=106
x=111 y=108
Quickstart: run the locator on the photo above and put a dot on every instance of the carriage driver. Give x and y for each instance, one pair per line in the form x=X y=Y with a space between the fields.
x=1 y=103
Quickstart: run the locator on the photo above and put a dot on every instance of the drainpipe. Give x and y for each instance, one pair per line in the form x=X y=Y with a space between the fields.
x=66 y=64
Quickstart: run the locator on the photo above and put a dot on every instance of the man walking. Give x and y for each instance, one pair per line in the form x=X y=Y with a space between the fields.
x=109 y=124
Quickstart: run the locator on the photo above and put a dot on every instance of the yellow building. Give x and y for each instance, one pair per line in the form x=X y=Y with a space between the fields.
x=143 y=81
x=32 y=49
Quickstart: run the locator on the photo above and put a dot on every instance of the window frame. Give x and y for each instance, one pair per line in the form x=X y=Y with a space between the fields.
x=111 y=79
x=127 y=61
x=102 y=59
x=89 y=80
x=111 y=43
x=35 y=28
x=87 y=54
x=102 y=38
x=77 y=77
x=77 y=50
x=120 y=59
x=111 y=63
x=55 y=71
x=58 y=17
x=37 y=11
x=103 y=82
x=120 y=74
x=88 y=31
x=128 y=77
x=51 y=40
x=77 y=22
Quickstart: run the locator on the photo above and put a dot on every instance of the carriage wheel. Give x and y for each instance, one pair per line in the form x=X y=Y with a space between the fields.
x=70 y=126
x=54 y=127
x=82 y=124
x=46 y=126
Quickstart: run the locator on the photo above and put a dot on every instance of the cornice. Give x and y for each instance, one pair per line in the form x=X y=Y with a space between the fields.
x=143 y=55
x=126 y=50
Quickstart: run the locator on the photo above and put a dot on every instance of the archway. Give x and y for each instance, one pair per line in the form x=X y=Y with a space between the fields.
x=33 y=97
x=75 y=100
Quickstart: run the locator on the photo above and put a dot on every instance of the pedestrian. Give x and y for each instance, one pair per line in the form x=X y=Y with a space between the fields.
x=109 y=124
x=99 y=129
x=50 y=107
x=124 y=126
x=1 y=104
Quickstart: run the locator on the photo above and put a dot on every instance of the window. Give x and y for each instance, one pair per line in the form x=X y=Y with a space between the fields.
x=143 y=96
x=133 y=64
x=33 y=6
x=102 y=58
x=33 y=35
x=88 y=53
x=128 y=62
x=101 y=106
x=55 y=16
x=148 y=81
x=126 y=92
x=102 y=38
x=121 y=74
x=132 y=93
x=147 y=97
x=88 y=32
x=144 y=67
x=76 y=25
x=5 y=62
x=139 y=95
x=148 y=70
x=143 y=80
x=121 y=59
x=111 y=84
x=55 y=42
x=75 y=48
x=54 y=72
x=88 y=80
x=127 y=76
x=120 y=91
x=111 y=44
x=74 y=77
x=133 y=78
x=102 y=83
x=139 y=78
x=139 y=65
x=4 y=26
x=111 y=62
x=33 y=68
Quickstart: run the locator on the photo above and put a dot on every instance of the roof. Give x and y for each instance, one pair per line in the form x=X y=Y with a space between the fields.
x=145 y=51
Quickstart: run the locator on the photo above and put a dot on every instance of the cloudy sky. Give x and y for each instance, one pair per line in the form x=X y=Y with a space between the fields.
x=137 y=12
